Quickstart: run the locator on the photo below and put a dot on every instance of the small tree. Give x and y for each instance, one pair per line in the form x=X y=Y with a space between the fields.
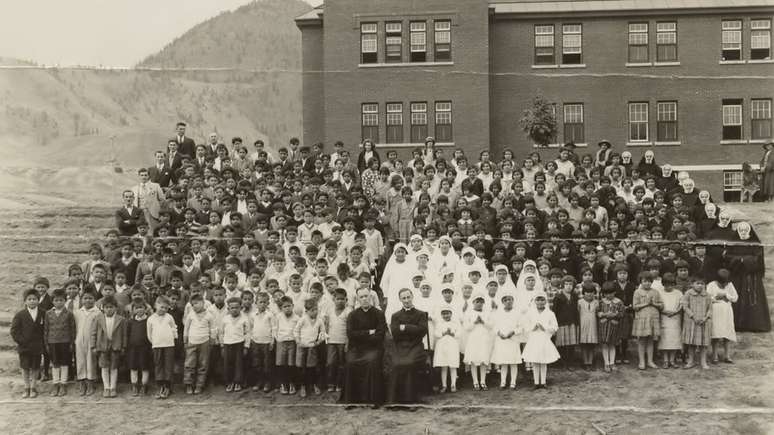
x=539 y=121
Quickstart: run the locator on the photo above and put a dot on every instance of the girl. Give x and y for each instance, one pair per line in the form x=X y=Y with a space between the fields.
x=723 y=294
x=138 y=348
x=568 y=320
x=611 y=310
x=697 y=322
x=540 y=351
x=162 y=331
x=85 y=359
x=587 y=312
x=447 y=348
x=478 y=347
x=670 y=340
x=646 y=304
x=506 y=325
x=404 y=214
x=109 y=341
x=59 y=334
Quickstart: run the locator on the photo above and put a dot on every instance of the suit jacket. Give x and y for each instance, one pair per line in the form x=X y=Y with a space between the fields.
x=308 y=165
x=175 y=164
x=149 y=198
x=28 y=333
x=163 y=176
x=134 y=218
x=187 y=146
x=199 y=167
x=116 y=341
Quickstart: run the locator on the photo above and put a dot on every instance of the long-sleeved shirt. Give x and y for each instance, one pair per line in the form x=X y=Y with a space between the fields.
x=263 y=324
x=162 y=330
x=199 y=327
x=284 y=326
x=308 y=331
x=336 y=325
x=235 y=330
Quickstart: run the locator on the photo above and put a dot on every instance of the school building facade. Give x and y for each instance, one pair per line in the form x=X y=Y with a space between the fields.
x=693 y=80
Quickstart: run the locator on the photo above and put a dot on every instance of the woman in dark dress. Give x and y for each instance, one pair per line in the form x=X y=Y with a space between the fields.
x=368 y=153
x=744 y=259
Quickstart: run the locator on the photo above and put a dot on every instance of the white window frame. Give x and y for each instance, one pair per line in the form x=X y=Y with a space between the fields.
x=637 y=116
x=733 y=116
x=442 y=39
x=418 y=114
x=573 y=114
x=393 y=37
x=443 y=116
x=666 y=112
x=543 y=33
x=731 y=39
x=760 y=110
x=369 y=117
x=572 y=42
x=637 y=31
x=369 y=41
x=760 y=39
x=732 y=181
x=666 y=35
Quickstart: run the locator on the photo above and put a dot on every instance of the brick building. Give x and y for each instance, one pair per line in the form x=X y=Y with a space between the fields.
x=691 y=79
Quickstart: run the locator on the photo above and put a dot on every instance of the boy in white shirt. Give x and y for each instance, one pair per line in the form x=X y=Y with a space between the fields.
x=199 y=333
x=335 y=321
x=261 y=344
x=309 y=333
x=234 y=341
x=286 y=345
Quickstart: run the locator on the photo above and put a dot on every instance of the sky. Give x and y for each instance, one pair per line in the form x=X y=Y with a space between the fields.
x=117 y=33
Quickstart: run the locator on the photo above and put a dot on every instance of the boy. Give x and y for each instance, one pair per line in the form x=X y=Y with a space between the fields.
x=27 y=332
x=162 y=332
x=85 y=359
x=234 y=334
x=199 y=331
x=308 y=333
x=262 y=344
x=335 y=321
x=286 y=345
x=59 y=334
x=108 y=338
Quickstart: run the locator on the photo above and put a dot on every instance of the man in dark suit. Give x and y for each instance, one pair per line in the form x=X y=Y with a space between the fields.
x=160 y=173
x=307 y=161
x=200 y=160
x=174 y=159
x=212 y=145
x=128 y=216
x=185 y=145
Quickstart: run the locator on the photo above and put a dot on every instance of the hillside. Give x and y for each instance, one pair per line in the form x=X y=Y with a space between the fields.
x=260 y=35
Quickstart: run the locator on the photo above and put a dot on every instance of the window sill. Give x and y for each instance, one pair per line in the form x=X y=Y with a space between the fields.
x=559 y=145
x=403 y=64
x=732 y=62
x=639 y=144
x=757 y=141
x=666 y=64
x=573 y=65
x=760 y=61
x=636 y=64
x=733 y=142
x=544 y=66
x=411 y=145
x=668 y=143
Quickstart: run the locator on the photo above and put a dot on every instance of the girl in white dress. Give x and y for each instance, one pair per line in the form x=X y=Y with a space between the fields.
x=478 y=347
x=506 y=353
x=723 y=294
x=540 y=351
x=447 y=348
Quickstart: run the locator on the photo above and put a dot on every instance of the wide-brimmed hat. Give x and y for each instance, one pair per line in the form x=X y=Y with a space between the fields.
x=605 y=142
x=570 y=144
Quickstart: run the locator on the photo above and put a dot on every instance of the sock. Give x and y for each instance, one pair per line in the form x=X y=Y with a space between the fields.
x=55 y=375
x=503 y=374
x=474 y=374
x=444 y=373
x=453 y=377
x=113 y=379
x=536 y=375
x=482 y=374
x=145 y=377
x=514 y=373
x=106 y=378
x=543 y=373
x=133 y=377
x=64 y=374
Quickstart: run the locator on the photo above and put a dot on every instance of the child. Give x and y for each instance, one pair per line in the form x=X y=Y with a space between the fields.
x=646 y=328
x=670 y=341
x=162 y=331
x=85 y=358
x=587 y=313
x=697 y=322
x=261 y=344
x=336 y=332
x=59 y=334
x=108 y=339
x=478 y=347
x=286 y=346
x=568 y=319
x=308 y=333
x=611 y=309
x=506 y=324
x=138 y=355
x=540 y=351
x=234 y=339
x=723 y=294
x=199 y=333
x=447 y=348
x=27 y=332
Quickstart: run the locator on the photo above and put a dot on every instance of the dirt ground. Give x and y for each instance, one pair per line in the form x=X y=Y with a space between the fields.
x=41 y=236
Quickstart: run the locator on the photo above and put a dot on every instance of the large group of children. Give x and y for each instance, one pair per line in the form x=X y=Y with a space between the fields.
x=246 y=273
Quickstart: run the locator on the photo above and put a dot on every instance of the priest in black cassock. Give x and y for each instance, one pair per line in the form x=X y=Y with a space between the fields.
x=363 y=372
x=409 y=363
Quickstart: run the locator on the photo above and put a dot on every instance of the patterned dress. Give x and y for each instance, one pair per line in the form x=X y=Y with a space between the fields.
x=646 y=320
x=697 y=306
x=609 y=328
x=588 y=321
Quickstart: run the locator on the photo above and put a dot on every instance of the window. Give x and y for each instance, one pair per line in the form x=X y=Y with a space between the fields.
x=732 y=186
x=666 y=42
x=443 y=41
x=368 y=44
x=732 y=119
x=573 y=123
x=393 y=42
x=732 y=40
x=418 y=122
x=638 y=122
x=370 y=123
x=666 y=121
x=638 y=42
x=418 y=41
x=394 y=122
x=544 y=45
x=760 y=39
x=443 y=121
x=760 y=111
x=572 y=44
